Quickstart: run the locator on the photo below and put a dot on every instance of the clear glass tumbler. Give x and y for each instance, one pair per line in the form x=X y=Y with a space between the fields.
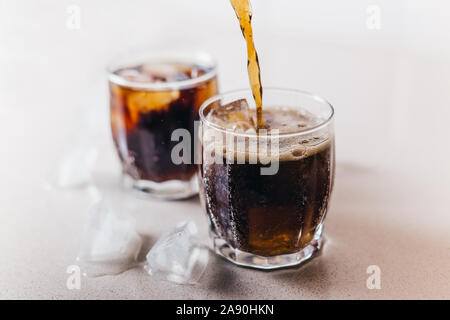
x=152 y=97
x=266 y=209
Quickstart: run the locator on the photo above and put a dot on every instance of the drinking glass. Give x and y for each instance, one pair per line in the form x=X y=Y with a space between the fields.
x=152 y=98
x=259 y=218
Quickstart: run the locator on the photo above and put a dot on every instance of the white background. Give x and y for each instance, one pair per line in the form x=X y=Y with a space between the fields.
x=389 y=87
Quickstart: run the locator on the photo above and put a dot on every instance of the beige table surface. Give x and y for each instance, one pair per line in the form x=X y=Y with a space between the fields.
x=390 y=88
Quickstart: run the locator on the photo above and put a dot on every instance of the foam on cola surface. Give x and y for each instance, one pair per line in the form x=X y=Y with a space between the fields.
x=236 y=117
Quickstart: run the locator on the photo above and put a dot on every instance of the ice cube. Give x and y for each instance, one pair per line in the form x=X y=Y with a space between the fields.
x=146 y=101
x=235 y=116
x=77 y=158
x=134 y=75
x=165 y=72
x=76 y=166
x=110 y=243
x=178 y=256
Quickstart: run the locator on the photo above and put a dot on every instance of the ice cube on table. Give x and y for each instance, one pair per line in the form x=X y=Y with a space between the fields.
x=235 y=116
x=178 y=256
x=110 y=243
x=76 y=166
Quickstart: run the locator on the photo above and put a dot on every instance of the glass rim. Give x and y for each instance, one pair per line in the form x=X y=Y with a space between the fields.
x=315 y=97
x=202 y=58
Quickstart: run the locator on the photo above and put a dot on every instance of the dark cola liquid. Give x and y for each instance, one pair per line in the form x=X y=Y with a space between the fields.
x=142 y=121
x=244 y=14
x=271 y=214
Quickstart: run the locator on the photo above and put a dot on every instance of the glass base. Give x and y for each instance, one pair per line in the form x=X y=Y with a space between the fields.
x=167 y=190
x=251 y=260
